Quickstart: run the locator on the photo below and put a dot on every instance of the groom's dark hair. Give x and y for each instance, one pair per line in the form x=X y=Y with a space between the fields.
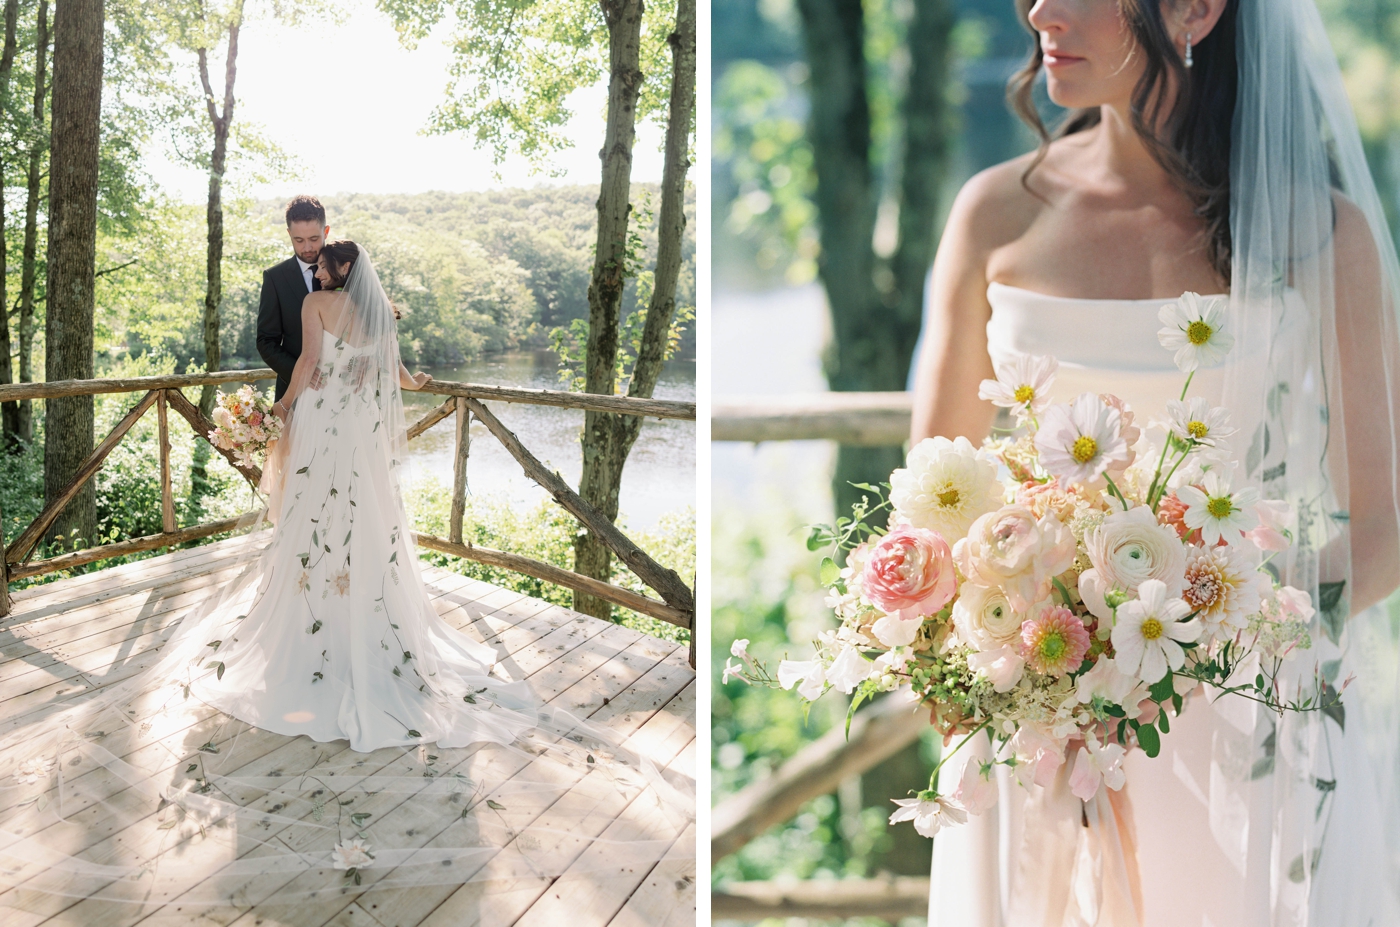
x=306 y=209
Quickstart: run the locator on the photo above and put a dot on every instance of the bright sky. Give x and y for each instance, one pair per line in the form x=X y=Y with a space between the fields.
x=397 y=90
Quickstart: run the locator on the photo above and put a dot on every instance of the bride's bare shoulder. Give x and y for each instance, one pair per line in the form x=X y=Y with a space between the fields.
x=998 y=204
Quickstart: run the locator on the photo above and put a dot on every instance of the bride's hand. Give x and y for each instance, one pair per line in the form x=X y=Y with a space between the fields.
x=419 y=380
x=279 y=409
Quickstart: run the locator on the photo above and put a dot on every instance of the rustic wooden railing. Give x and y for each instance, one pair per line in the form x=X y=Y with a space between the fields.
x=465 y=401
x=876 y=732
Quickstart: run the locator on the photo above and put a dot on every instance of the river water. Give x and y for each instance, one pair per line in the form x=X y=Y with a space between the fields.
x=660 y=474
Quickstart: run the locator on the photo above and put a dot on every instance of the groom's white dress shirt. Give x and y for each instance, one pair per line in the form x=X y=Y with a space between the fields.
x=307 y=272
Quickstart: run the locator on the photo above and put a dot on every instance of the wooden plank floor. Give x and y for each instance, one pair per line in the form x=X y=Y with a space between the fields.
x=65 y=641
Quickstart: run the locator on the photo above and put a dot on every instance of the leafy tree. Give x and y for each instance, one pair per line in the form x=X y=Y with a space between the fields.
x=515 y=67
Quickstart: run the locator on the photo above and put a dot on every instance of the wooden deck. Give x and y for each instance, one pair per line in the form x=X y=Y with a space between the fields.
x=72 y=637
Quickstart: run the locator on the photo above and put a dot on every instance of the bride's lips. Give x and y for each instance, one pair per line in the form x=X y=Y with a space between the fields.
x=1058 y=59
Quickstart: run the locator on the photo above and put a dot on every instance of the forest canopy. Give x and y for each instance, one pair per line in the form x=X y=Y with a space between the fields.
x=474 y=273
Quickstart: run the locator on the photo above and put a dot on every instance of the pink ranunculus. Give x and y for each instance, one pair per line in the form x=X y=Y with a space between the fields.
x=909 y=573
x=1014 y=550
x=255 y=419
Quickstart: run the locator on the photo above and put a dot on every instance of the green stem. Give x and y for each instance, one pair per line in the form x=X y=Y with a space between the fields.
x=1116 y=491
x=1162 y=490
x=933 y=776
x=1187 y=385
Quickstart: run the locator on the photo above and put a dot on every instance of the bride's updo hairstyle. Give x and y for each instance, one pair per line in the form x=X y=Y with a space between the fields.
x=1193 y=144
x=338 y=252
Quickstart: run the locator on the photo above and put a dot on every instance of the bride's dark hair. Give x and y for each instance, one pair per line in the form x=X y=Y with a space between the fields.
x=338 y=252
x=1194 y=144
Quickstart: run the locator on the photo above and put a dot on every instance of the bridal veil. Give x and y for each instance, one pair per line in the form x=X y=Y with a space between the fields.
x=145 y=794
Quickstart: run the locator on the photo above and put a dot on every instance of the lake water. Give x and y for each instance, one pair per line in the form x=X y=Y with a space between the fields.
x=660 y=474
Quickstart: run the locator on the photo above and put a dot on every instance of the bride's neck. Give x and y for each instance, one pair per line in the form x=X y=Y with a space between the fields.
x=1120 y=152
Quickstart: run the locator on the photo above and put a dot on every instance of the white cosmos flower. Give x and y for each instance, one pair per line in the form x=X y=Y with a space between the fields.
x=1147 y=636
x=1217 y=511
x=1080 y=441
x=930 y=812
x=1195 y=330
x=1022 y=385
x=352 y=854
x=1095 y=764
x=808 y=675
x=1196 y=421
x=945 y=485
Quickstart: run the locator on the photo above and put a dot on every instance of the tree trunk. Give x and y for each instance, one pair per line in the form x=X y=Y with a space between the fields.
x=662 y=308
x=31 y=225
x=9 y=411
x=72 y=252
x=599 y=439
x=214 y=253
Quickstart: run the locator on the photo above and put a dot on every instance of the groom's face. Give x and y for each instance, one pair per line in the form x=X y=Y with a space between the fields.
x=307 y=238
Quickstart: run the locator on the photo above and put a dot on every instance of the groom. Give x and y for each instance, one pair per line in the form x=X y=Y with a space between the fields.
x=284 y=287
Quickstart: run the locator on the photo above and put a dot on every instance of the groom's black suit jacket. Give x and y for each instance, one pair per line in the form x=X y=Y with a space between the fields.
x=279 y=319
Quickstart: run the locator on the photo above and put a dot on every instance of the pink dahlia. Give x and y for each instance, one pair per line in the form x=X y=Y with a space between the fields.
x=1054 y=641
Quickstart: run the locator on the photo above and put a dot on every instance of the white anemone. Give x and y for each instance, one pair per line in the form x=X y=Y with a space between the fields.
x=945 y=485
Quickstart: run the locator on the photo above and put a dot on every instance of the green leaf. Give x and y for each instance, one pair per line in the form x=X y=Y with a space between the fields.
x=407 y=655
x=208 y=748
x=830 y=572
x=191 y=768
x=1148 y=740
x=304 y=469
x=816 y=538
x=360 y=817
x=1162 y=689
x=413 y=733
x=396 y=671
x=1329 y=595
x=492 y=803
x=214 y=644
x=1163 y=723
x=218 y=669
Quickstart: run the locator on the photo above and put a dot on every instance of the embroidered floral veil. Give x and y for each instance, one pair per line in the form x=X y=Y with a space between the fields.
x=150 y=791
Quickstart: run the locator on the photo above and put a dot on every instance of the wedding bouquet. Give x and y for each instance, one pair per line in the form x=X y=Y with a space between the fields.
x=1063 y=585
x=245 y=425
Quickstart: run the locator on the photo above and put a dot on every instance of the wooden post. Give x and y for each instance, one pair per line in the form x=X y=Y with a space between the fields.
x=167 y=497
x=459 y=470
x=4 y=571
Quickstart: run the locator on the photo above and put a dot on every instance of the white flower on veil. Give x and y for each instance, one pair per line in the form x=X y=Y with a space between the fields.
x=352 y=854
x=31 y=771
x=1195 y=330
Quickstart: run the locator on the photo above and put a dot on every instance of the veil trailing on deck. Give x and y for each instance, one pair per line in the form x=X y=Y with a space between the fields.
x=314 y=726
x=1309 y=804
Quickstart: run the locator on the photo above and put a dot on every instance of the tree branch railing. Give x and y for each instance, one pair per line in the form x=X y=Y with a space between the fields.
x=464 y=401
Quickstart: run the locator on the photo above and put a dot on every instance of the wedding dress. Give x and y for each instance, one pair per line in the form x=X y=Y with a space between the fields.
x=194 y=777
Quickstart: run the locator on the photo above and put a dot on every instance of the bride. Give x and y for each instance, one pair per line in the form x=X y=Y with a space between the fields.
x=191 y=784
x=1209 y=148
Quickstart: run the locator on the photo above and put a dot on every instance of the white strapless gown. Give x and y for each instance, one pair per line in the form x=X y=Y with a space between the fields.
x=1183 y=876
x=338 y=639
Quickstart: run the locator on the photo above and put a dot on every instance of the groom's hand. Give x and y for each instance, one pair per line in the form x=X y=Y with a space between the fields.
x=316 y=380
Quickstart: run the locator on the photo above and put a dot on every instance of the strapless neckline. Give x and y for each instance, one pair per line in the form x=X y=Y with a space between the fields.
x=1153 y=301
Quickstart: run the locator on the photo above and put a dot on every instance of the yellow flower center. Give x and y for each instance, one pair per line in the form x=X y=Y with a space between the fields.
x=1151 y=629
x=1197 y=430
x=1084 y=449
x=1199 y=332
x=1219 y=507
x=1053 y=646
x=949 y=498
x=1025 y=393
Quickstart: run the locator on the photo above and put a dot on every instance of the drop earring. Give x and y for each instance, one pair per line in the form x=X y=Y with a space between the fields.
x=1188 y=50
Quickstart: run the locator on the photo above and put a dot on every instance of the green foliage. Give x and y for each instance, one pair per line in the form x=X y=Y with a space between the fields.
x=517 y=64
x=765 y=588
x=546 y=533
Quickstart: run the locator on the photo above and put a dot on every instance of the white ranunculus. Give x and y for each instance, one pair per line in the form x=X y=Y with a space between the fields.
x=1130 y=547
x=945 y=486
x=984 y=618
